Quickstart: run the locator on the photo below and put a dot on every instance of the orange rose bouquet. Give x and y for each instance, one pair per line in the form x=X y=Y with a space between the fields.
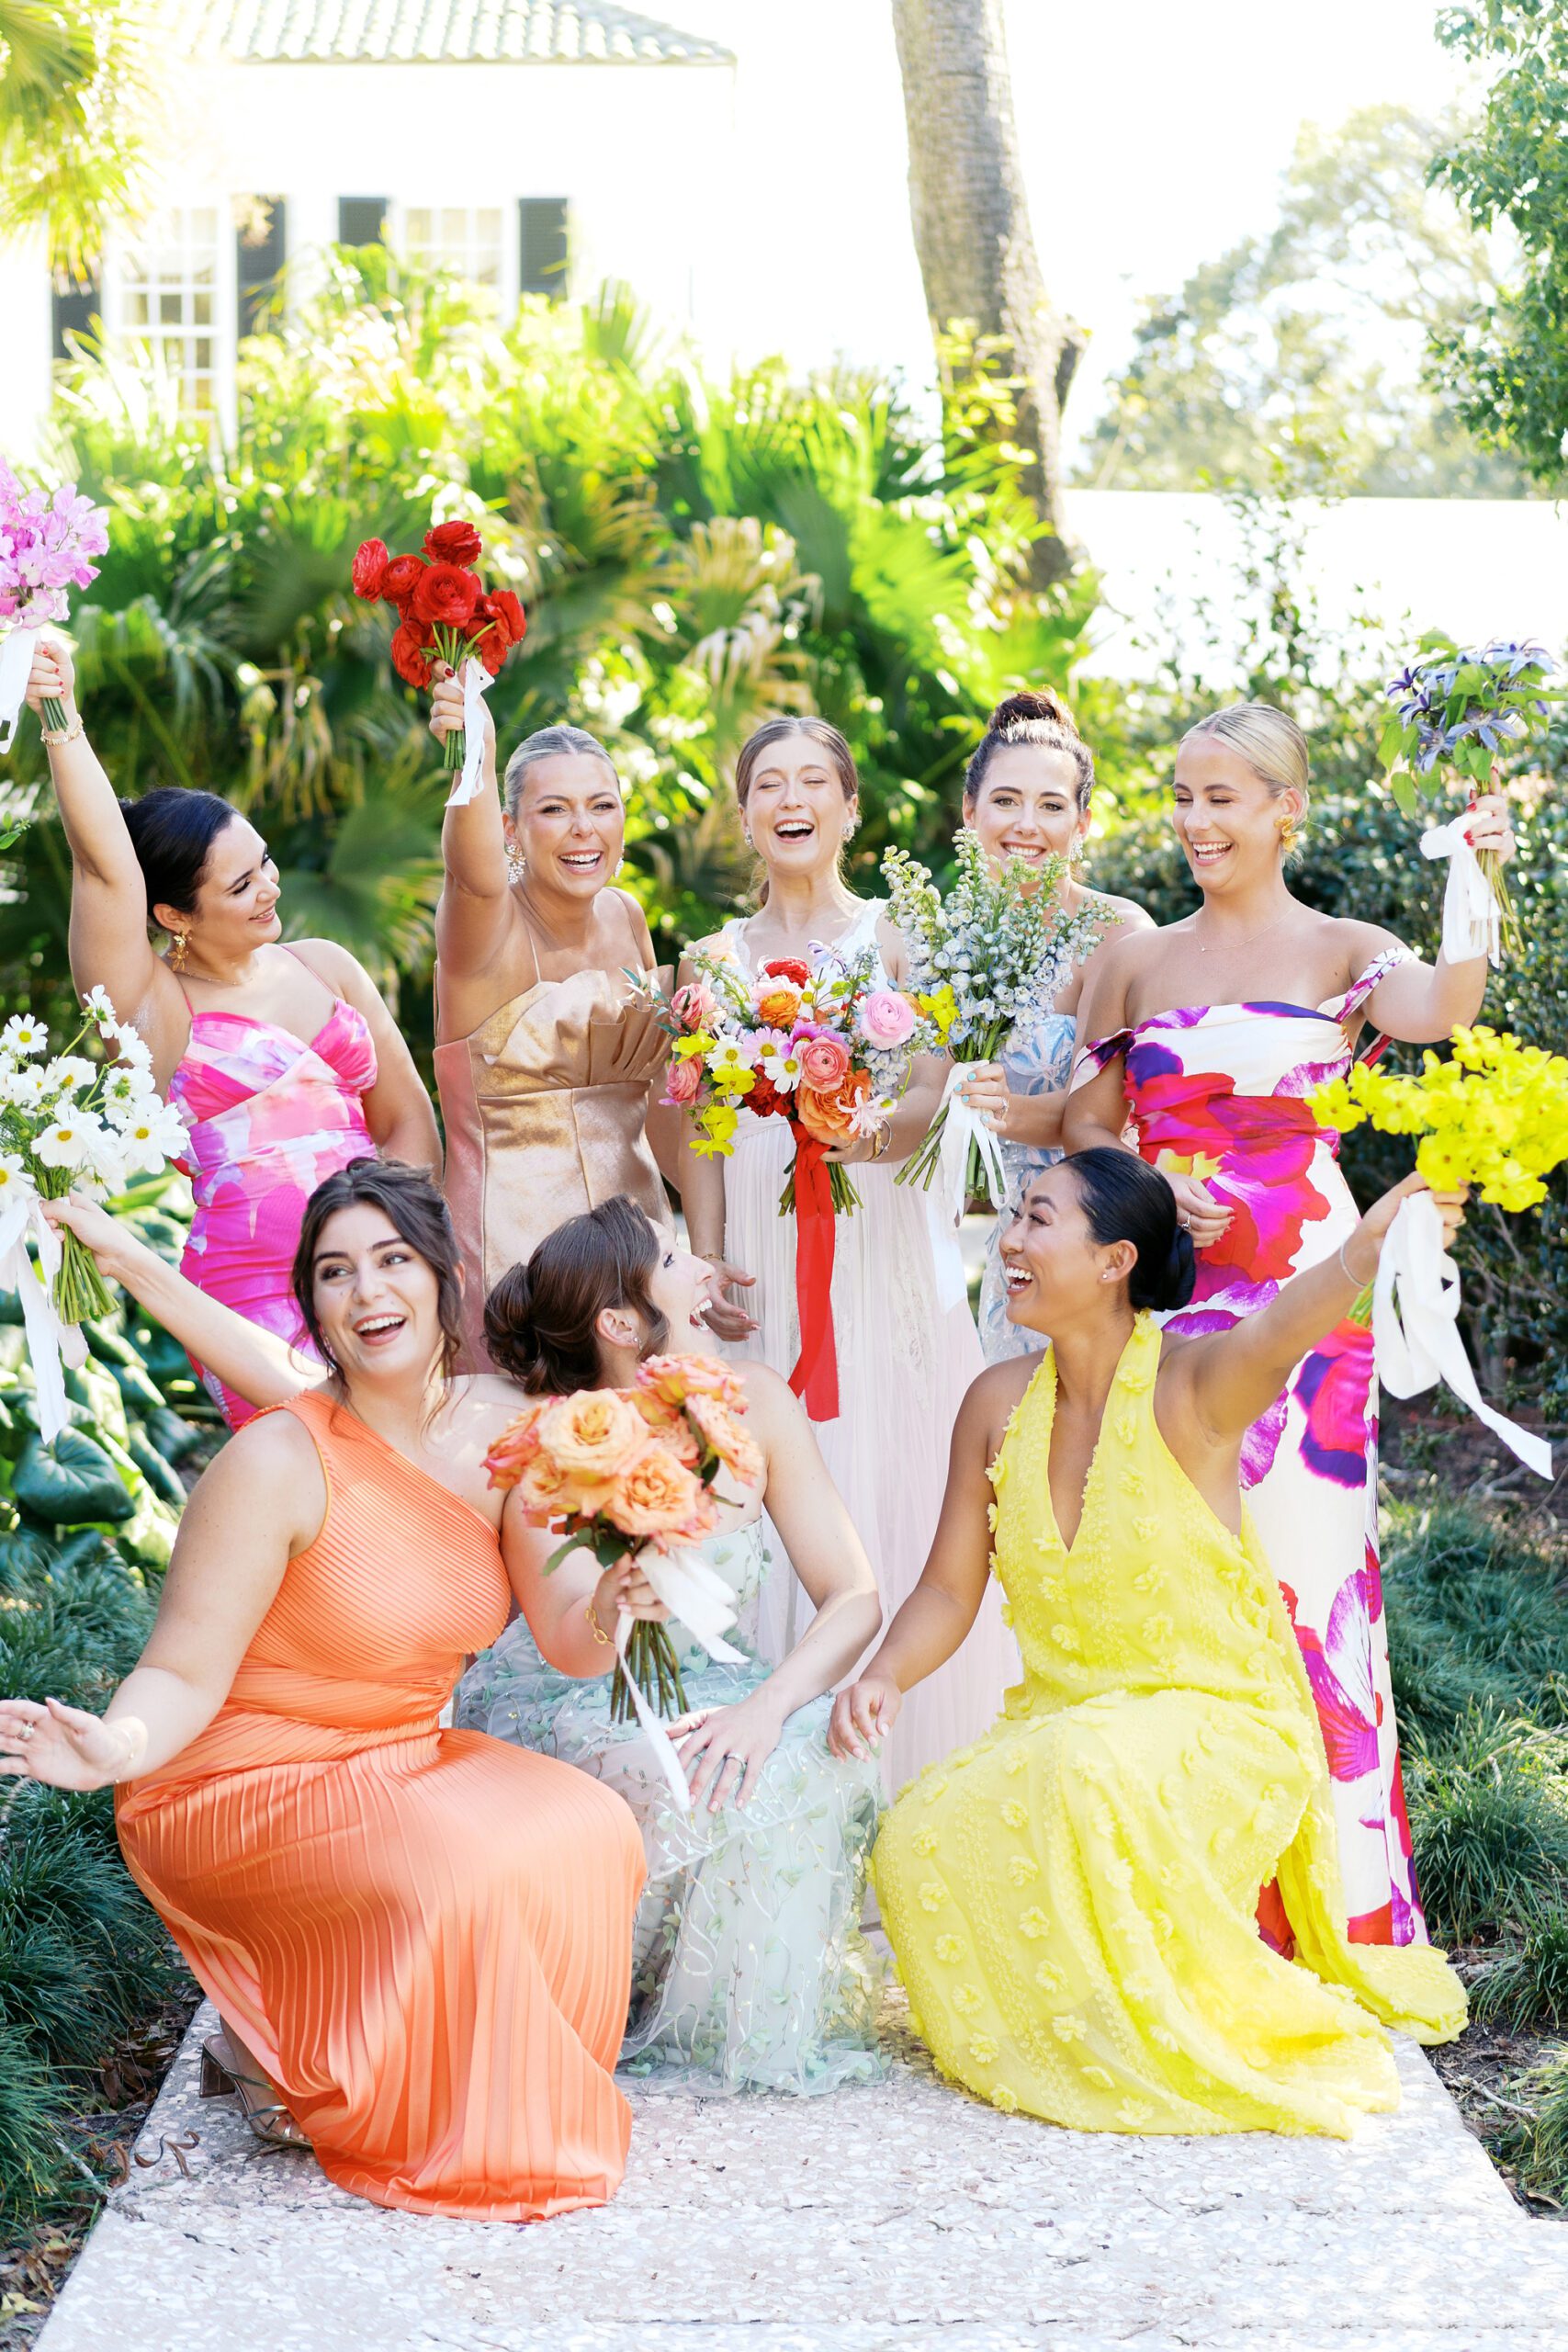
x=634 y=1470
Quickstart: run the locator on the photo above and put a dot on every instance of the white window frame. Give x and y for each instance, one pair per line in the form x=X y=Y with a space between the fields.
x=124 y=278
x=397 y=234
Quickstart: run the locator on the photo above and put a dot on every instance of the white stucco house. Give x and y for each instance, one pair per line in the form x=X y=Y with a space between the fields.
x=538 y=146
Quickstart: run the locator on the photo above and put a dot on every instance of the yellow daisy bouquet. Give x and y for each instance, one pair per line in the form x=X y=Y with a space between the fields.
x=1493 y=1116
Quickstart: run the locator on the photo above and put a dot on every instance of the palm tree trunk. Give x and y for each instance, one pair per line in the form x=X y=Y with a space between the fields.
x=972 y=232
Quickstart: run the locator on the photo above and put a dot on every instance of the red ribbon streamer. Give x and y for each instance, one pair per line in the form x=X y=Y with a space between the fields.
x=816 y=1375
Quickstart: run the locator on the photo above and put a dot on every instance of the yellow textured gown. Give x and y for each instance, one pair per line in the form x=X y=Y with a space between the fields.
x=1071 y=1901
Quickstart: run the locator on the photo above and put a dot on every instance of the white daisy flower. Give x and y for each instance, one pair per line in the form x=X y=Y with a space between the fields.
x=71 y=1074
x=69 y=1142
x=22 y=1035
x=96 y=1006
x=126 y=1086
x=156 y=1134
x=14 y=1182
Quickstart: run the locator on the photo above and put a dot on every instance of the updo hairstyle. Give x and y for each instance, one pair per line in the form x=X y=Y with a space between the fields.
x=540 y=1319
x=1269 y=742
x=1040 y=718
x=547 y=743
x=1123 y=1199
x=410 y=1203
x=171 y=831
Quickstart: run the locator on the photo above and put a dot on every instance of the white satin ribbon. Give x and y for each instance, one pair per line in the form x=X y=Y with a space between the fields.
x=947 y=1193
x=16 y=667
x=699 y=1597
x=1471 y=923
x=45 y=1332
x=1415 y=1336
x=475 y=685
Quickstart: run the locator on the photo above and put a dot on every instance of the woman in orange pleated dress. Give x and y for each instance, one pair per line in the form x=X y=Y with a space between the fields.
x=418 y=1940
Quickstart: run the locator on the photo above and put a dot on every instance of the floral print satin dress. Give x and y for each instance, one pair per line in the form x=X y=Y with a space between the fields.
x=748 y=1970
x=1217 y=1091
x=271 y=1117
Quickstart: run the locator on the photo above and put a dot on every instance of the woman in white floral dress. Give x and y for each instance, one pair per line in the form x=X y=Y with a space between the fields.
x=748 y=1968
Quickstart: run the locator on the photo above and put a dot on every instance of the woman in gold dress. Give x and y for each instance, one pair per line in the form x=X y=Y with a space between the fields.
x=1072 y=1901
x=545 y=1053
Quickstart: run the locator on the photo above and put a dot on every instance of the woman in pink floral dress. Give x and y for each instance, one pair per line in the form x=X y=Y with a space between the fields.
x=1209 y=1034
x=285 y=1062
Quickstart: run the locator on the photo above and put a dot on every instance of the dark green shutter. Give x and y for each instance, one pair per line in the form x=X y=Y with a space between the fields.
x=362 y=219
x=542 y=245
x=260 y=252
x=75 y=313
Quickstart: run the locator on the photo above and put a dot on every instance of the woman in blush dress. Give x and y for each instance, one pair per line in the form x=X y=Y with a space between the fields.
x=748 y=1970
x=1208 y=1033
x=904 y=1357
x=418 y=1938
x=285 y=1062
x=545 y=1053
x=1026 y=793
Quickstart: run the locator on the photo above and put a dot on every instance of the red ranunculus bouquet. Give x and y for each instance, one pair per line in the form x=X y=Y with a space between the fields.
x=444 y=612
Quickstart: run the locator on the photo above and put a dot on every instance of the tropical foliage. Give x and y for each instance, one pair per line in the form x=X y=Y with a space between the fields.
x=694 y=555
x=77 y=120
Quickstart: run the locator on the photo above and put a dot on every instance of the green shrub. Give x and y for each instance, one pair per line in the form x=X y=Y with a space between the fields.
x=1489 y=1823
x=1477 y=1618
x=1527 y=1985
x=1537 y=2151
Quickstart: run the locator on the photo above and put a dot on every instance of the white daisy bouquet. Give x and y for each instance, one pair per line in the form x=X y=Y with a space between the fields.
x=994 y=950
x=70 y=1120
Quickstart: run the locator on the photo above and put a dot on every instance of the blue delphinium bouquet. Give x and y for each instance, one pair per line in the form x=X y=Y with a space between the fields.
x=1457 y=709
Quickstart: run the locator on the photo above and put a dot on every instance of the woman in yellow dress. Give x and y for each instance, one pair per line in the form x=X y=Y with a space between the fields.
x=1071 y=1901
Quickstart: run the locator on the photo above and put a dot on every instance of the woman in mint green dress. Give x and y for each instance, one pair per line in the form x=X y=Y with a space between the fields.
x=1026 y=792
x=748 y=1969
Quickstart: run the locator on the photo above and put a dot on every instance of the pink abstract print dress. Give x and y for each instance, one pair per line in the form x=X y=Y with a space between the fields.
x=1216 y=1092
x=270 y=1117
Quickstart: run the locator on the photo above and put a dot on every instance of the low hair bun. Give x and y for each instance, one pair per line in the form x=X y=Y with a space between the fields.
x=1171 y=1285
x=541 y=1319
x=1033 y=704
x=1123 y=1199
x=509 y=1331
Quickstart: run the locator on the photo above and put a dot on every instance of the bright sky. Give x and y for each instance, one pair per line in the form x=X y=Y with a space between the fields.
x=1154 y=133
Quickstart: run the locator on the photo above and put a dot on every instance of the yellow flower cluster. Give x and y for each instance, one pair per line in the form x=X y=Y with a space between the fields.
x=1494 y=1116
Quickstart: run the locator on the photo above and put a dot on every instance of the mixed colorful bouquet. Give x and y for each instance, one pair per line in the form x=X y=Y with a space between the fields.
x=47 y=544
x=634 y=1470
x=1457 y=709
x=990 y=953
x=444 y=612
x=1494 y=1117
x=827 y=1045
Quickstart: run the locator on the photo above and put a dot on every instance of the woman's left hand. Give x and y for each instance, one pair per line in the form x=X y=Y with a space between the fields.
x=985 y=1087
x=855 y=1149
x=724 y=1748
x=1374 y=1225
x=1487 y=827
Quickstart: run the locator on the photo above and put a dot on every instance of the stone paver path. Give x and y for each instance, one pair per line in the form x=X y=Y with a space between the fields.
x=885 y=2219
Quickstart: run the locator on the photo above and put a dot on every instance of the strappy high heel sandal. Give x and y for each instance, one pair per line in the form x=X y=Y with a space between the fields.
x=259 y=2103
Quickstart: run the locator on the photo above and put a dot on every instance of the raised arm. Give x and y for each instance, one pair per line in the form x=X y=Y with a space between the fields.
x=261 y=1500
x=256 y=1364
x=474 y=910
x=944 y=1604
x=110 y=946
x=1418 y=1003
x=398 y=1110
x=1227 y=1379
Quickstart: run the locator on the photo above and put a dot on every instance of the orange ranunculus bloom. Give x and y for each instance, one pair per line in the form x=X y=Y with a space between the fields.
x=656 y=1495
x=777 y=1003
x=593 y=1434
x=828 y=1117
x=669 y=1426
x=733 y=1443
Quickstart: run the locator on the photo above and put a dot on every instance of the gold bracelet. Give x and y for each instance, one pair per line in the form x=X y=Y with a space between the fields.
x=604 y=1639
x=880 y=1140
x=55 y=735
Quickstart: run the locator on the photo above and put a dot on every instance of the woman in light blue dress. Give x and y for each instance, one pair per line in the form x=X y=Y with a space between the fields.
x=749 y=1971
x=1026 y=792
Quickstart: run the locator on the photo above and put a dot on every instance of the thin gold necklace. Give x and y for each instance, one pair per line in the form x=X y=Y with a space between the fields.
x=1221 y=946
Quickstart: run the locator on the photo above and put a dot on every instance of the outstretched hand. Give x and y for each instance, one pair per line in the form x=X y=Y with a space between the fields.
x=446 y=709
x=726 y=1317
x=53 y=677
x=1374 y=1226
x=63 y=1747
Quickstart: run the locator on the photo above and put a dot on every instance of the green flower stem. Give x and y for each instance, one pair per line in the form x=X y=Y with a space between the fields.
x=53 y=713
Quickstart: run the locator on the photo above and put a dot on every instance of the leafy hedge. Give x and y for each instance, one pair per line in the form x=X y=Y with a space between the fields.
x=87 y=1532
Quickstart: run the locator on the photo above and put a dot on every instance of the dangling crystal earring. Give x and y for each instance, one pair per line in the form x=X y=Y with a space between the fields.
x=179 y=948
x=517 y=864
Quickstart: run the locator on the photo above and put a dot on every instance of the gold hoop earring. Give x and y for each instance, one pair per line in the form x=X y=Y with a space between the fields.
x=179 y=948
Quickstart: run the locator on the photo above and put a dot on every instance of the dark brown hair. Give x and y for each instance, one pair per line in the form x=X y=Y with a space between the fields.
x=409 y=1202
x=1040 y=718
x=540 y=1319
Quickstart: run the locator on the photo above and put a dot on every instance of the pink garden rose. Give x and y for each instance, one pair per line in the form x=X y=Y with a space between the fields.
x=683 y=1080
x=693 y=1006
x=824 y=1064
x=886 y=1018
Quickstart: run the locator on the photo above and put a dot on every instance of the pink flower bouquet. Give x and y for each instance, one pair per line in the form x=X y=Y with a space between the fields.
x=632 y=1470
x=46 y=547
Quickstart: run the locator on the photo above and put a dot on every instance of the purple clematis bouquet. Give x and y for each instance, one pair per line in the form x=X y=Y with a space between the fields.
x=1457 y=709
x=47 y=544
